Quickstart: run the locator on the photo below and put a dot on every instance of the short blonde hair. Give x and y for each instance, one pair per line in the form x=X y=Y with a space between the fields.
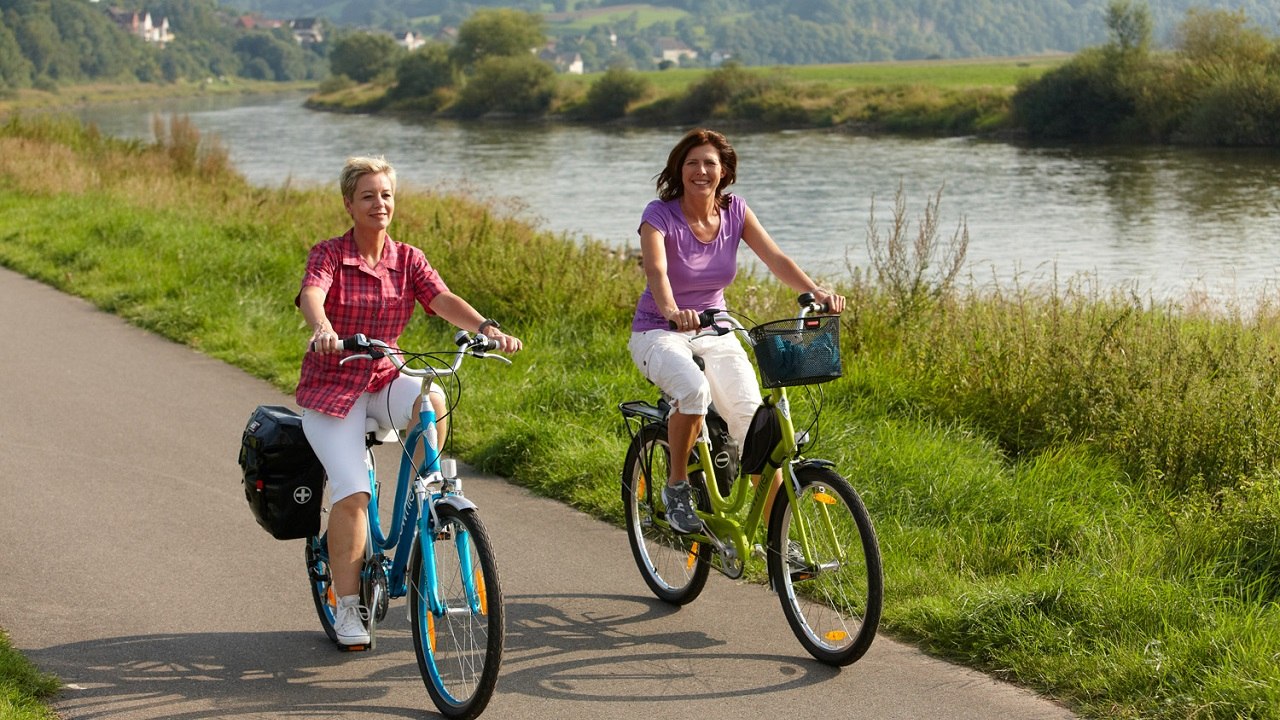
x=358 y=167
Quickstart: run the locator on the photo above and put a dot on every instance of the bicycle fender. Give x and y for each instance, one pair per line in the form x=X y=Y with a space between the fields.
x=458 y=502
x=814 y=462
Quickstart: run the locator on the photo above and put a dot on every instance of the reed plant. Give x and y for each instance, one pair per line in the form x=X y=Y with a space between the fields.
x=1074 y=489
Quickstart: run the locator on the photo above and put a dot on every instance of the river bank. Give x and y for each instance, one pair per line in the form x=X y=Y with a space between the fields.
x=97 y=94
x=943 y=97
x=1074 y=490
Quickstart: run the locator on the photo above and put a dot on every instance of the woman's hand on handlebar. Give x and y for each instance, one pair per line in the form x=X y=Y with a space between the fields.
x=834 y=303
x=324 y=339
x=504 y=342
x=684 y=320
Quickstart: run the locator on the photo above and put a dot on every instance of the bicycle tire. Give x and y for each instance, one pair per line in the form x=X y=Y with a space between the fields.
x=459 y=652
x=674 y=566
x=321 y=582
x=832 y=604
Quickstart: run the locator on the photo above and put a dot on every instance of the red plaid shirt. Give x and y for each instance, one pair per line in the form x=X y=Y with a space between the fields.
x=377 y=302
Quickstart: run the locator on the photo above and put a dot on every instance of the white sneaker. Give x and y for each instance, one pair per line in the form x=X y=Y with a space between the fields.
x=348 y=621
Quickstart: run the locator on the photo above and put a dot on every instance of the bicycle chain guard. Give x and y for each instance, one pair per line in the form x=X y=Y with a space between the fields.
x=373 y=587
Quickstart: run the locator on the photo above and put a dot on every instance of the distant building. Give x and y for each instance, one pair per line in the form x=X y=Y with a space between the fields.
x=570 y=63
x=254 y=22
x=410 y=41
x=306 y=30
x=672 y=50
x=140 y=25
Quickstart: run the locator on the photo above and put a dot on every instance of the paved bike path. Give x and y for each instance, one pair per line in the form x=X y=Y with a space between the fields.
x=132 y=569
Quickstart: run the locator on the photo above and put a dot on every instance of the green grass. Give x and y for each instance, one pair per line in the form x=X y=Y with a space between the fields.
x=23 y=688
x=582 y=21
x=947 y=97
x=988 y=72
x=1076 y=492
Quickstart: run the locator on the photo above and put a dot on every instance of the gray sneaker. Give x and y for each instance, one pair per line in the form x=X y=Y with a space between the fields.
x=679 y=502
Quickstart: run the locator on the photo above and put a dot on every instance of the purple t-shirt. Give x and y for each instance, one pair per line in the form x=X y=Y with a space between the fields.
x=698 y=272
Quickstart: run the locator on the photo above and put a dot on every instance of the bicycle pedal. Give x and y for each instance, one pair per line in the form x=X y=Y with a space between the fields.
x=354 y=648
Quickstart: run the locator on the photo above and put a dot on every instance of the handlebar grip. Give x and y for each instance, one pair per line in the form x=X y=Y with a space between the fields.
x=706 y=318
x=355 y=342
x=807 y=299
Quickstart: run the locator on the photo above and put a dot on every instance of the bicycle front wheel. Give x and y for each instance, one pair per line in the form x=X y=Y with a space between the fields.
x=824 y=563
x=455 y=608
x=321 y=582
x=674 y=566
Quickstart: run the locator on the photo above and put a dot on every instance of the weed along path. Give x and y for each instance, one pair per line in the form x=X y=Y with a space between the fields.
x=133 y=570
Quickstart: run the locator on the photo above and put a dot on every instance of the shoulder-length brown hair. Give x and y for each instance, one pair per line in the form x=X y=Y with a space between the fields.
x=670 y=182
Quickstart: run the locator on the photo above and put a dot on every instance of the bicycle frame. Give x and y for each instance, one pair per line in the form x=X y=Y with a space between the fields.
x=722 y=521
x=431 y=482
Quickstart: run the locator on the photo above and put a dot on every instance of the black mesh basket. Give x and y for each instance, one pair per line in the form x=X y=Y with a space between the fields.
x=800 y=351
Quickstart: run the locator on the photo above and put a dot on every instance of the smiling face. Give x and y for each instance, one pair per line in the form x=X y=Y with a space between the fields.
x=373 y=202
x=701 y=172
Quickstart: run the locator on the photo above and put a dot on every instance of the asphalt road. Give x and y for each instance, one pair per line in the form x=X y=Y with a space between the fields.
x=132 y=569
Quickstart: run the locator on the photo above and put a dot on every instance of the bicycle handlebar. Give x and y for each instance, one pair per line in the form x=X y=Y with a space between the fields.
x=708 y=318
x=369 y=349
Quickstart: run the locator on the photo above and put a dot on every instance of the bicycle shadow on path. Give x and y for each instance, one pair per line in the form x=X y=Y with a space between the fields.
x=577 y=648
x=609 y=647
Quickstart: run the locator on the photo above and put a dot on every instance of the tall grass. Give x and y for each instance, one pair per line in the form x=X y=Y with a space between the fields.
x=1075 y=490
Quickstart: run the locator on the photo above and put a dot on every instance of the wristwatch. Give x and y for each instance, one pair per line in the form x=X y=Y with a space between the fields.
x=488 y=322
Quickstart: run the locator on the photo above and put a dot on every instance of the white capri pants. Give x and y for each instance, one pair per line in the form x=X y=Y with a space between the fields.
x=665 y=357
x=339 y=442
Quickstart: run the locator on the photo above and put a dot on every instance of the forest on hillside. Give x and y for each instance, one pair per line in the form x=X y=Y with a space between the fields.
x=796 y=32
x=51 y=43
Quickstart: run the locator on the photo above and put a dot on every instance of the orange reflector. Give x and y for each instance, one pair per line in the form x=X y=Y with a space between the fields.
x=431 y=629
x=693 y=557
x=484 y=597
x=837 y=635
x=824 y=498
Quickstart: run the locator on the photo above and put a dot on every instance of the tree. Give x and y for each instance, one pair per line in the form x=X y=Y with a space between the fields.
x=283 y=59
x=422 y=72
x=15 y=70
x=520 y=85
x=363 y=56
x=499 y=32
x=1211 y=38
x=610 y=95
x=1130 y=26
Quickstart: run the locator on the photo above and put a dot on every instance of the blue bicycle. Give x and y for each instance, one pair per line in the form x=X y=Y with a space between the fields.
x=443 y=558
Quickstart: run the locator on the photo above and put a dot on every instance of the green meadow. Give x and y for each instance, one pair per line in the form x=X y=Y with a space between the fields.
x=1074 y=490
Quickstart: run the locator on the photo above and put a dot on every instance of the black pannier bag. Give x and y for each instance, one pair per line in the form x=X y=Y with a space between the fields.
x=762 y=438
x=724 y=451
x=283 y=479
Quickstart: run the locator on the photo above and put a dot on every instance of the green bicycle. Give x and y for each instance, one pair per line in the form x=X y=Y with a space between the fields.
x=823 y=559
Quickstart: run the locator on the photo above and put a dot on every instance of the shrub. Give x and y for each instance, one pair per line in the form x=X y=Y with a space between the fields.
x=520 y=85
x=422 y=72
x=611 y=95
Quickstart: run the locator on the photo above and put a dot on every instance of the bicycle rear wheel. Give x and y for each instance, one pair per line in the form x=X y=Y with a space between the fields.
x=832 y=597
x=674 y=566
x=459 y=643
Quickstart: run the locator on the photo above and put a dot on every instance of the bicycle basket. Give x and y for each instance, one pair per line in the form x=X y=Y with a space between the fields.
x=799 y=351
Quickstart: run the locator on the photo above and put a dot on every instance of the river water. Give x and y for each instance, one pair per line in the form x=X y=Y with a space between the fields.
x=1166 y=223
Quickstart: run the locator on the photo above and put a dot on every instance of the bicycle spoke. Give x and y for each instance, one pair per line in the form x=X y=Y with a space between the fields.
x=826 y=568
x=458 y=635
